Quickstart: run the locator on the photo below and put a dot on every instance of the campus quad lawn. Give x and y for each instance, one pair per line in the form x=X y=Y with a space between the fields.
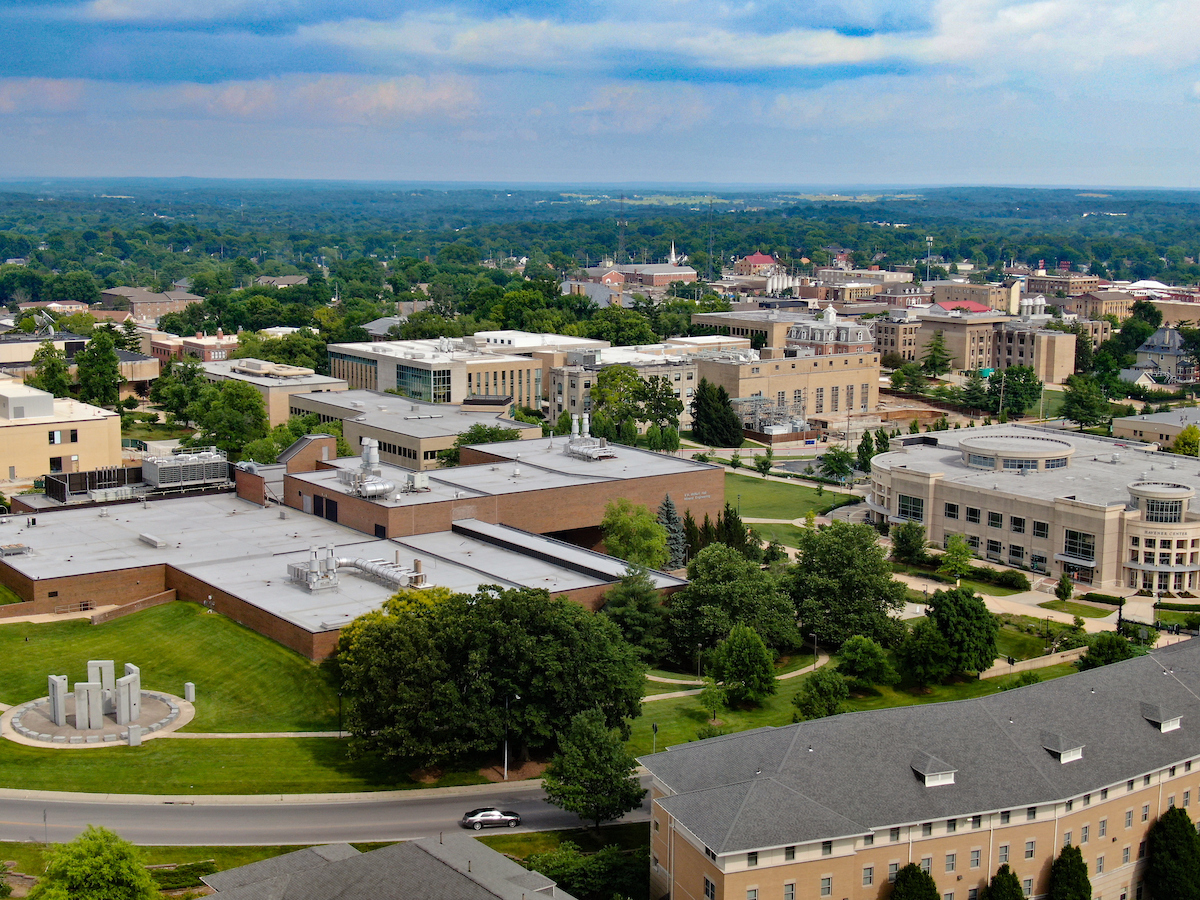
x=1078 y=609
x=244 y=681
x=763 y=499
x=1019 y=645
x=788 y=535
x=627 y=836
x=679 y=719
x=209 y=766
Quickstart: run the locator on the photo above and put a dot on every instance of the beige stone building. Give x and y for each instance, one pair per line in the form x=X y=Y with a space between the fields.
x=41 y=434
x=770 y=326
x=274 y=381
x=571 y=385
x=836 y=807
x=1004 y=298
x=897 y=333
x=1110 y=513
x=813 y=385
x=1069 y=283
x=1097 y=303
x=993 y=340
x=1159 y=428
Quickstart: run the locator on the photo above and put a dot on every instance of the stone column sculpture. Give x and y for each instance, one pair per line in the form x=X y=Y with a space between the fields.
x=89 y=705
x=135 y=691
x=58 y=699
x=124 y=692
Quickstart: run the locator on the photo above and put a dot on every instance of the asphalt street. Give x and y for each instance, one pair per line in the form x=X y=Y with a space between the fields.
x=247 y=821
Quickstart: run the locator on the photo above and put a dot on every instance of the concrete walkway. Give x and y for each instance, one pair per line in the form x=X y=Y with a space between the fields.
x=44 y=618
x=225 y=735
x=822 y=659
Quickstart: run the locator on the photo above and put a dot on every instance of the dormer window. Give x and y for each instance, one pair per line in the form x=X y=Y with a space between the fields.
x=1062 y=748
x=932 y=771
x=1164 y=719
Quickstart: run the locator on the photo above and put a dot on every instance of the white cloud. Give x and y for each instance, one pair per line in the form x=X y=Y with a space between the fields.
x=184 y=10
x=36 y=96
x=619 y=108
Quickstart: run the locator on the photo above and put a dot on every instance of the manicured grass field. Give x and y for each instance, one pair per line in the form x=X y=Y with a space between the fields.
x=1019 y=645
x=1078 y=609
x=762 y=499
x=30 y=859
x=629 y=836
x=244 y=681
x=229 y=766
x=788 y=535
x=155 y=431
x=979 y=587
x=679 y=719
x=7 y=595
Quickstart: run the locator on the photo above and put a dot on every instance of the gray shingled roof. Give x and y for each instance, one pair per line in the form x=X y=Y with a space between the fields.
x=277 y=866
x=450 y=867
x=853 y=773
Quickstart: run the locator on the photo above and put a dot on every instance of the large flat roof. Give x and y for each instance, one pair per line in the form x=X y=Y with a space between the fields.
x=1187 y=416
x=1091 y=476
x=224 y=369
x=425 y=352
x=245 y=549
x=403 y=415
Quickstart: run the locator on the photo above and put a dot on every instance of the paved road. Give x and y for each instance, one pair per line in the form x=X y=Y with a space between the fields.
x=246 y=821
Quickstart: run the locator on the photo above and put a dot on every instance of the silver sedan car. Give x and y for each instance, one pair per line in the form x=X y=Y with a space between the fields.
x=490 y=817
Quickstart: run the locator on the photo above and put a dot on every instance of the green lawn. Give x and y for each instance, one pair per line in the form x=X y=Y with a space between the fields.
x=979 y=587
x=244 y=681
x=764 y=499
x=788 y=535
x=7 y=595
x=30 y=858
x=155 y=431
x=630 y=836
x=659 y=687
x=1077 y=609
x=1019 y=645
x=679 y=719
x=230 y=766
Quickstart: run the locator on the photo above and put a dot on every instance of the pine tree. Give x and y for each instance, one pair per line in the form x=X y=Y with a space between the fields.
x=99 y=371
x=1173 y=857
x=882 y=441
x=866 y=449
x=1004 y=886
x=914 y=883
x=936 y=360
x=1069 y=876
x=634 y=604
x=677 y=542
x=975 y=395
x=691 y=531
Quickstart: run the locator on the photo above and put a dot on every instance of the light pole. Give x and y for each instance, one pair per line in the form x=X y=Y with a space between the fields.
x=515 y=697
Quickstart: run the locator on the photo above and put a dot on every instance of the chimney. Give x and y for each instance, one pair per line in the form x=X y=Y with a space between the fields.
x=199 y=335
x=417 y=566
x=220 y=334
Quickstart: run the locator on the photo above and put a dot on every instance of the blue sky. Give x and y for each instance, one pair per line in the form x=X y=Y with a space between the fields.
x=1076 y=92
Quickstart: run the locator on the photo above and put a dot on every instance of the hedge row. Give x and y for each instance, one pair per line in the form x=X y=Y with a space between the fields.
x=1103 y=598
x=1179 y=607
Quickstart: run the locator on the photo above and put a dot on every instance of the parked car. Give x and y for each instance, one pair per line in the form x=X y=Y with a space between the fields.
x=490 y=817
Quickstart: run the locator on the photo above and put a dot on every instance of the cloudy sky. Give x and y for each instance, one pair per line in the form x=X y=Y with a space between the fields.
x=1072 y=92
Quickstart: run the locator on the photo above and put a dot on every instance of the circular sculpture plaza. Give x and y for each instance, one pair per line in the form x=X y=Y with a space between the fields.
x=32 y=721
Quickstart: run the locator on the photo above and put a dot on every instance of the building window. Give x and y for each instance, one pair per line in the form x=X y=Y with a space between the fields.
x=1021 y=464
x=1099 y=865
x=751 y=893
x=910 y=508
x=894 y=835
x=1016 y=555
x=951 y=861
x=1146 y=812
x=1102 y=831
x=972 y=515
x=975 y=859
x=1029 y=849
x=1004 y=817
x=1058 y=463
x=927 y=829
x=1080 y=545
x=710 y=890
x=1027 y=887
x=1129 y=818
x=789 y=853
x=1125 y=856
x=868 y=876
x=951 y=826
x=789 y=891
x=1066 y=839
x=827 y=848
x=951 y=510
x=994 y=550
x=819 y=406
x=927 y=864
x=710 y=854
x=1003 y=854
x=1041 y=529
x=976 y=821
x=752 y=857
x=1163 y=510
x=868 y=840
x=827 y=886
x=1083 y=834
x=1142 y=850
x=981 y=462
x=995 y=520
x=972 y=893
x=1017 y=524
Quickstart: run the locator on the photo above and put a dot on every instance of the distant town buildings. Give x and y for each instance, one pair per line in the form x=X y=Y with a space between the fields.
x=148 y=306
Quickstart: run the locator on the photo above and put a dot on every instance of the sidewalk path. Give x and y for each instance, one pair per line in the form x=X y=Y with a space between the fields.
x=224 y=735
x=822 y=659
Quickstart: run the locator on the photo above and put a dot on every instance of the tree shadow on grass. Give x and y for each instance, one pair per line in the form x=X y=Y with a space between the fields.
x=374 y=772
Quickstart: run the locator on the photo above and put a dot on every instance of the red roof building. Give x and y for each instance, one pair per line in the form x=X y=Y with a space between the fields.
x=969 y=306
x=755 y=264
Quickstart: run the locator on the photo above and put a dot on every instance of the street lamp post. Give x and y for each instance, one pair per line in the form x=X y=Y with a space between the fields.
x=515 y=697
x=339 y=715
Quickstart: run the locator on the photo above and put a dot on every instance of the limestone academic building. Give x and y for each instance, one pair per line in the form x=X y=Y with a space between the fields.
x=835 y=807
x=1113 y=514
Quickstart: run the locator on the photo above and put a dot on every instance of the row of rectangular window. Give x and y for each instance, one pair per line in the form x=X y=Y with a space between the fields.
x=1163 y=543
x=996 y=520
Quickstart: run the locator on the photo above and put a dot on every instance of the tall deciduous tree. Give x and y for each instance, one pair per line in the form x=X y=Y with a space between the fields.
x=97 y=865
x=837 y=463
x=592 y=775
x=1187 y=442
x=677 y=545
x=658 y=403
x=178 y=387
x=743 y=663
x=1084 y=402
x=634 y=604
x=428 y=685
x=861 y=657
x=908 y=542
x=632 y=533
x=50 y=370
x=476 y=434
x=1018 y=385
x=924 y=654
x=969 y=629
x=1069 y=876
x=1105 y=648
x=229 y=415
x=100 y=371
x=823 y=694
x=615 y=393
x=914 y=883
x=726 y=589
x=842 y=584
x=957 y=561
x=1173 y=857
